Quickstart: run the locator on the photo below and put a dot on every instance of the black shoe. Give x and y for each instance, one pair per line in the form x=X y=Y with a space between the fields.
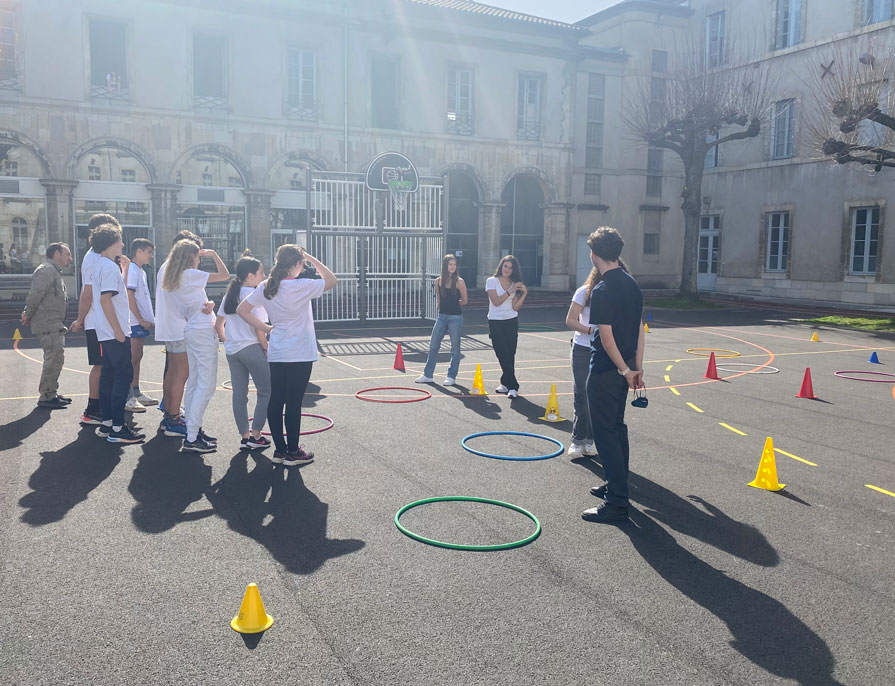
x=598 y=491
x=252 y=443
x=297 y=457
x=67 y=401
x=197 y=446
x=125 y=435
x=606 y=514
x=91 y=419
x=54 y=404
x=103 y=430
x=211 y=440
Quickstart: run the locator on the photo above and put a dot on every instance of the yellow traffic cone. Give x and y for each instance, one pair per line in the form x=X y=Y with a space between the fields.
x=17 y=336
x=766 y=478
x=252 y=618
x=646 y=328
x=551 y=414
x=814 y=337
x=478 y=385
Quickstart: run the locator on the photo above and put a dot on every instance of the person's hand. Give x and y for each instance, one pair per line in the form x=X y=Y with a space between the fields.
x=206 y=252
x=208 y=307
x=146 y=325
x=632 y=377
x=119 y=336
x=520 y=287
x=76 y=326
x=267 y=329
x=25 y=319
x=123 y=262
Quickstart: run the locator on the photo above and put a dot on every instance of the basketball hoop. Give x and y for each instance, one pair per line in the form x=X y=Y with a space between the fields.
x=393 y=172
x=400 y=191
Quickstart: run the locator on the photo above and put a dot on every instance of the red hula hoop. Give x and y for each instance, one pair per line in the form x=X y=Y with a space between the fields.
x=426 y=396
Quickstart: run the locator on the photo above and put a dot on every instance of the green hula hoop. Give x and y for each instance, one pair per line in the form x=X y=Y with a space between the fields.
x=532 y=328
x=459 y=546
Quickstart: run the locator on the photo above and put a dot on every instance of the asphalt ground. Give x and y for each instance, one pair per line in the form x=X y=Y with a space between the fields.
x=124 y=565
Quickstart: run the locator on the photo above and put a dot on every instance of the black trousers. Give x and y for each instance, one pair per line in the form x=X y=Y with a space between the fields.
x=115 y=379
x=288 y=383
x=607 y=395
x=504 y=335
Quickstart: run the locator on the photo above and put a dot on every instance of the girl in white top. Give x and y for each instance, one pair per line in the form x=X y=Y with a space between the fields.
x=293 y=343
x=506 y=295
x=186 y=300
x=246 y=349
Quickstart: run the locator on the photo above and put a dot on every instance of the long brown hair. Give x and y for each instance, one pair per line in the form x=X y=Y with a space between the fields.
x=595 y=277
x=288 y=255
x=446 y=277
x=516 y=275
x=181 y=258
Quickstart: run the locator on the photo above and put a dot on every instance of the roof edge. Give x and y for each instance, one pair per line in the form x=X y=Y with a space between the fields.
x=625 y=6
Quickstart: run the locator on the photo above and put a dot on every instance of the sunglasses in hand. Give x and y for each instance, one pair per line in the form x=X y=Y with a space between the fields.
x=640 y=399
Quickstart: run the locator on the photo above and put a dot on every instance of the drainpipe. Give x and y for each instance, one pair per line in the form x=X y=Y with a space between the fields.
x=345 y=87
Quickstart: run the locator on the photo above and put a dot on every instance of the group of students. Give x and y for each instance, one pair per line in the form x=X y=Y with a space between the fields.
x=265 y=323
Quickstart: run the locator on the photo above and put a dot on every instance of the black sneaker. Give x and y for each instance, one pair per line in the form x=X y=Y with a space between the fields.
x=606 y=514
x=598 y=491
x=252 y=443
x=103 y=431
x=126 y=435
x=91 y=419
x=197 y=446
x=297 y=457
x=53 y=404
x=277 y=457
x=67 y=401
x=211 y=440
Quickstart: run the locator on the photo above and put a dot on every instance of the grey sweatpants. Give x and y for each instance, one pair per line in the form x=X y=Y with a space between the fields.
x=251 y=360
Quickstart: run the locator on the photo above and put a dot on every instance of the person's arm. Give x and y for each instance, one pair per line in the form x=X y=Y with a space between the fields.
x=246 y=311
x=498 y=300
x=519 y=301
x=219 y=324
x=437 y=294
x=85 y=302
x=464 y=296
x=632 y=376
x=222 y=274
x=329 y=279
x=641 y=342
x=262 y=338
x=573 y=322
x=40 y=286
x=105 y=301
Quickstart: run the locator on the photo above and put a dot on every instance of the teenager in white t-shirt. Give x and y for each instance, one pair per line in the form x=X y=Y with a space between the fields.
x=506 y=295
x=142 y=318
x=246 y=349
x=112 y=324
x=293 y=343
x=187 y=304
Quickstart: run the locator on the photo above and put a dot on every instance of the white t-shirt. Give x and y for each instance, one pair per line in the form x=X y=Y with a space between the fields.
x=137 y=282
x=580 y=297
x=107 y=278
x=505 y=309
x=239 y=333
x=88 y=265
x=293 y=338
x=177 y=311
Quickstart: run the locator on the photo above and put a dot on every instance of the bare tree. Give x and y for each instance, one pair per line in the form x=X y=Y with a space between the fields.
x=697 y=108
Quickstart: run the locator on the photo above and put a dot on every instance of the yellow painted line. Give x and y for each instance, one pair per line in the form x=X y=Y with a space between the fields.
x=667 y=379
x=728 y=426
x=668 y=368
x=674 y=390
x=795 y=457
x=877 y=488
x=695 y=408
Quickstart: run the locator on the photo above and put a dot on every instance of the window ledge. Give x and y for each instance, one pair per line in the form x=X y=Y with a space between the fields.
x=859 y=278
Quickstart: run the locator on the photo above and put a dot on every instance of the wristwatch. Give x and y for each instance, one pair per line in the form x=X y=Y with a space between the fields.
x=624 y=372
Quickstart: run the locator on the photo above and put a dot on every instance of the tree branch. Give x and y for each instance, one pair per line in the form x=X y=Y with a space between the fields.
x=753 y=130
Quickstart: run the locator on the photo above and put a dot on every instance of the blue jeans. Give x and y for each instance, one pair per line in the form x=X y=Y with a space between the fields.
x=451 y=324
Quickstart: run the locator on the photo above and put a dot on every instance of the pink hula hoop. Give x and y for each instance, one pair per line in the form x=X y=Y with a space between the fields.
x=312 y=431
x=426 y=394
x=844 y=374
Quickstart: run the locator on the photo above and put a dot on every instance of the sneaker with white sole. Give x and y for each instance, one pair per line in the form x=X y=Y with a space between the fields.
x=298 y=457
x=590 y=450
x=133 y=405
x=501 y=389
x=252 y=443
x=575 y=451
x=449 y=381
x=422 y=378
x=197 y=446
x=512 y=393
x=146 y=400
x=125 y=435
x=103 y=430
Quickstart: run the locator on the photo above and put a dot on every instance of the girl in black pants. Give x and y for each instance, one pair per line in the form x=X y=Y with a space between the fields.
x=506 y=295
x=293 y=343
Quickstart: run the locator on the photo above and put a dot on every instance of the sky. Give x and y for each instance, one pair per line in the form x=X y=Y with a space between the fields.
x=563 y=10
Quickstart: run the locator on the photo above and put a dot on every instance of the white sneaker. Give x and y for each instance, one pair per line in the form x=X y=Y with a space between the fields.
x=424 y=379
x=590 y=450
x=133 y=405
x=449 y=381
x=513 y=393
x=144 y=399
x=575 y=451
x=501 y=389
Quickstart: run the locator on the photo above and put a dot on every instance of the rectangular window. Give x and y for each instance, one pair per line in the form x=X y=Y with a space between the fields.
x=108 y=57
x=864 y=239
x=876 y=11
x=869 y=132
x=713 y=156
x=591 y=184
x=301 y=83
x=654 y=158
x=209 y=64
x=94 y=173
x=9 y=168
x=459 y=102
x=129 y=175
x=654 y=186
x=20 y=233
x=207 y=179
x=658 y=89
x=715 y=27
x=596 y=92
x=528 y=109
x=789 y=20
x=8 y=45
x=783 y=136
x=778 y=242
x=652 y=223
x=384 y=92
x=659 y=61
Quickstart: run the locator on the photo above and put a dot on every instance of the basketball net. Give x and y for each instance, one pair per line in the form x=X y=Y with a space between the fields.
x=400 y=192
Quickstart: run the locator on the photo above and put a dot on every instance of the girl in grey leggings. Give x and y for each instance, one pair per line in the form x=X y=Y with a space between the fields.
x=246 y=349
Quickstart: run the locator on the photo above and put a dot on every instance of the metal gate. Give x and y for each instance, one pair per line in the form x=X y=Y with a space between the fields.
x=386 y=259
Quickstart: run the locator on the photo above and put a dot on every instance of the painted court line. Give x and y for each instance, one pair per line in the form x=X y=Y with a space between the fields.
x=877 y=488
x=795 y=457
x=674 y=390
x=668 y=368
x=728 y=426
x=667 y=379
x=695 y=408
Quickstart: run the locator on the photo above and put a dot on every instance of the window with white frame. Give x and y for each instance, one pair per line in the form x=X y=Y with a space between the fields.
x=864 y=239
x=869 y=132
x=459 y=102
x=778 y=242
x=596 y=92
x=715 y=27
x=207 y=179
x=108 y=57
x=876 y=11
x=94 y=173
x=789 y=22
x=652 y=225
x=129 y=175
x=20 y=233
x=301 y=83
x=528 y=109
x=659 y=61
x=783 y=134
x=713 y=156
x=209 y=69
x=654 y=159
x=8 y=68
x=592 y=184
x=9 y=168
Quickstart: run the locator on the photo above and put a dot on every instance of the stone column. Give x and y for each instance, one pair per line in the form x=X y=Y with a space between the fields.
x=489 y=239
x=164 y=217
x=60 y=211
x=557 y=236
x=258 y=223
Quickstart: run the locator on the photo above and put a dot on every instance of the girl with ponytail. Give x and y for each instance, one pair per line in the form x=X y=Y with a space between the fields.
x=293 y=343
x=246 y=349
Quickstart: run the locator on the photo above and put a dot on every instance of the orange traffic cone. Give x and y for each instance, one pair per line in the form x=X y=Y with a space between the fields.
x=399 y=359
x=807 y=390
x=712 y=371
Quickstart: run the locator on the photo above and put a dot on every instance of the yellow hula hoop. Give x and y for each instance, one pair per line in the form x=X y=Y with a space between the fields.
x=706 y=352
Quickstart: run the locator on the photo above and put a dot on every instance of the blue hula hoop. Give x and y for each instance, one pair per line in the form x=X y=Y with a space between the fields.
x=512 y=433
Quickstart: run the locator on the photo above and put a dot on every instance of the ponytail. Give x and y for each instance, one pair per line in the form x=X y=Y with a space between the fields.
x=246 y=265
x=288 y=255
